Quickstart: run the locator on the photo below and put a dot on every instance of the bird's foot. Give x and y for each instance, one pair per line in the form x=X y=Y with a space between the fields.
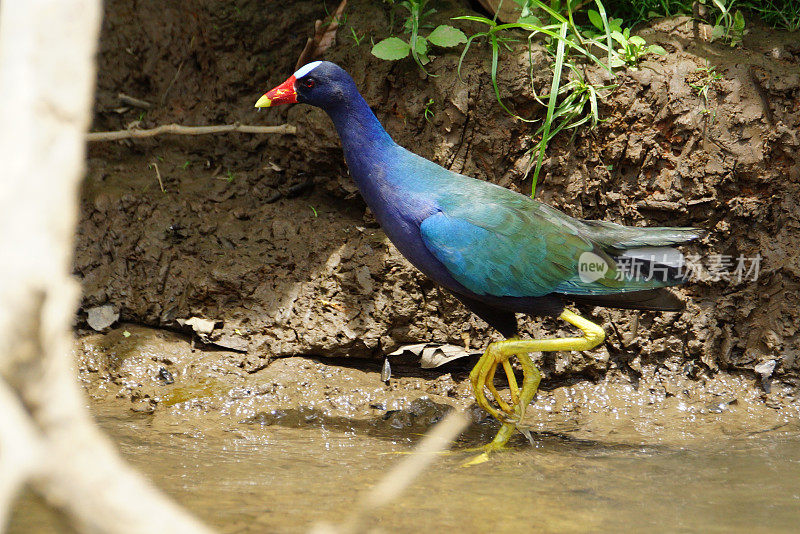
x=498 y=353
x=482 y=377
x=497 y=444
x=509 y=414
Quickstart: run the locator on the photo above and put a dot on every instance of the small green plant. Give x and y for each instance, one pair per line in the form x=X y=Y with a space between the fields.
x=569 y=113
x=632 y=47
x=394 y=48
x=427 y=112
x=355 y=37
x=185 y=165
x=729 y=26
x=572 y=100
x=229 y=176
x=708 y=76
x=568 y=104
x=496 y=38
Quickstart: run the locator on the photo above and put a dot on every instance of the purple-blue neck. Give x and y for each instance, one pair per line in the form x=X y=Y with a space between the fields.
x=364 y=141
x=389 y=179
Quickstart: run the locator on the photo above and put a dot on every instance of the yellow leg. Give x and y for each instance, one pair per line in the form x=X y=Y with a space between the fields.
x=512 y=382
x=496 y=394
x=499 y=352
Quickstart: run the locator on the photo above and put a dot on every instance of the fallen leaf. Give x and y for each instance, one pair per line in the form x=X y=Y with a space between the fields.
x=201 y=326
x=434 y=354
x=101 y=317
x=765 y=369
x=324 y=36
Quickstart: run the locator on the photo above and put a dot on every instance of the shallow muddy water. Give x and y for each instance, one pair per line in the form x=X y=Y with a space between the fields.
x=272 y=476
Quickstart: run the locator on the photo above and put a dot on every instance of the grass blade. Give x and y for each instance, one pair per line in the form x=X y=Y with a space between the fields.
x=551 y=104
x=602 y=10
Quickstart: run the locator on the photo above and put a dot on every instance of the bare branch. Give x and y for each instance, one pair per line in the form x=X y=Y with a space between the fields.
x=177 y=129
x=21 y=451
x=396 y=481
x=46 y=79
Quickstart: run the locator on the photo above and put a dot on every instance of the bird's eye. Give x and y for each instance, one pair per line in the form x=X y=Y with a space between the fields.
x=309 y=83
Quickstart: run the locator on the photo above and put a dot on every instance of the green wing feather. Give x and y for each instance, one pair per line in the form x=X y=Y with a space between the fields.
x=497 y=242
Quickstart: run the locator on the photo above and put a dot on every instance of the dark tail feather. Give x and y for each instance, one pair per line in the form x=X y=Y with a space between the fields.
x=619 y=237
x=653 y=300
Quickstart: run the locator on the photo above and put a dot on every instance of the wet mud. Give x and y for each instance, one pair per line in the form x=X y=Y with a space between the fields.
x=294 y=445
x=170 y=381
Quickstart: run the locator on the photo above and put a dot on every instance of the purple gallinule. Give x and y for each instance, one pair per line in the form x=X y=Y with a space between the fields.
x=497 y=251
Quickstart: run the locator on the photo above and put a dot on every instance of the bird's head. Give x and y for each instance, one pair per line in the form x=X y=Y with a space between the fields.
x=321 y=83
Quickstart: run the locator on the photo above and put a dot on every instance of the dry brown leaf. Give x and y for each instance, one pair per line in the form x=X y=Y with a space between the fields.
x=434 y=354
x=324 y=36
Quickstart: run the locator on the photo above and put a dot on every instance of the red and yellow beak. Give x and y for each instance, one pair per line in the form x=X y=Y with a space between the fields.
x=283 y=94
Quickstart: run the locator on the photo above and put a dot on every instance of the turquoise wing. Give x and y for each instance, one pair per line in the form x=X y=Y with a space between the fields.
x=487 y=263
x=497 y=242
x=521 y=248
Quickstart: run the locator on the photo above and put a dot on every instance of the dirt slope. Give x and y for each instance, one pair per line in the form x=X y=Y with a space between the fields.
x=267 y=236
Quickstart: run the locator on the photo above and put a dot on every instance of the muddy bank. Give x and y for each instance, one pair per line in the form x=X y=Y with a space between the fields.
x=265 y=234
x=300 y=442
x=176 y=384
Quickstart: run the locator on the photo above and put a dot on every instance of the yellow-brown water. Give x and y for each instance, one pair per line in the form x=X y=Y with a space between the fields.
x=278 y=477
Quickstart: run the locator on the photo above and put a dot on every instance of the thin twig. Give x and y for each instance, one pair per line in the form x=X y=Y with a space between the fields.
x=135 y=102
x=178 y=72
x=158 y=175
x=174 y=78
x=438 y=439
x=177 y=129
x=435 y=441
